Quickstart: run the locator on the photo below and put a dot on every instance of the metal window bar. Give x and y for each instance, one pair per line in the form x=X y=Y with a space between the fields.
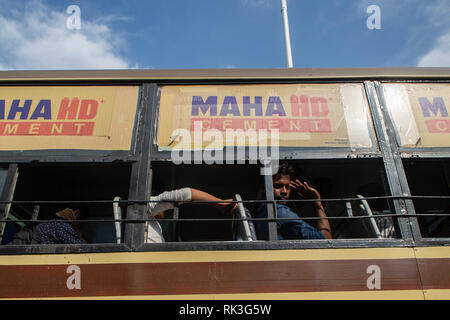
x=131 y=202
x=234 y=219
x=135 y=201
x=117 y=219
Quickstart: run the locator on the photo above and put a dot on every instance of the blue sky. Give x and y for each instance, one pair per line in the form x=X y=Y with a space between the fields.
x=186 y=34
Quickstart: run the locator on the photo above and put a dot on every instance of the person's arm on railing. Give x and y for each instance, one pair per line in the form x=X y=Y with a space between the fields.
x=168 y=199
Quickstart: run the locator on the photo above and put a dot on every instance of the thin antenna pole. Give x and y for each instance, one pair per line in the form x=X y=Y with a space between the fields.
x=287 y=37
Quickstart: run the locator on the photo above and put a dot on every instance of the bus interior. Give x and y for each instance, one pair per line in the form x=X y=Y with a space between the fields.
x=430 y=177
x=344 y=182
x=43 y=190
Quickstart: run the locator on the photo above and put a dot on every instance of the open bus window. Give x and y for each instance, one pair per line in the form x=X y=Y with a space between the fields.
x=430 y=178
x=3 y=175
x=4 y=197
x=222 y=181
x=43 y=191
x=349 y=182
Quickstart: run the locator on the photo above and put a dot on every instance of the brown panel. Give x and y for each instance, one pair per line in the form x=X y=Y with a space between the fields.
x=434 y=273
x=207 y=278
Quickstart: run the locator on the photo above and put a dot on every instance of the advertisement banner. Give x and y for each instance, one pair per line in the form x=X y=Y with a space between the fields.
x=419 y=113
x=305 y=115
x=67 y=117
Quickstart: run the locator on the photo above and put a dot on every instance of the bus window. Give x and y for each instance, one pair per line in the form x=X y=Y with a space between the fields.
x=6 y=229
x=222 y=181
x=342 y=184
x=3 y=174
x=430 y=178
x=42 y=191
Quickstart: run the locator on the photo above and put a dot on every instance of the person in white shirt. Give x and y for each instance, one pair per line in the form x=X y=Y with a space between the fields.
x=156 y=209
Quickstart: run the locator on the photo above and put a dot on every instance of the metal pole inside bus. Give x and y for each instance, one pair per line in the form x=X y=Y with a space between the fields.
x=287 y=37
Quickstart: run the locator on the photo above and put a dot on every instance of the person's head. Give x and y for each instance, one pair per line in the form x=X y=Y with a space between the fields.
x=74 y=212
x=282 y=180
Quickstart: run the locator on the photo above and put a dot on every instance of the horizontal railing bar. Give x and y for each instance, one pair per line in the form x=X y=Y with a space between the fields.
x=236 y=219
x=219 y=201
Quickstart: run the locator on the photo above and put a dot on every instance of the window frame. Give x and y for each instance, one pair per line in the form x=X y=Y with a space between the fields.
x=385 y=153
x=401 y=153
x=144 y=151
x=132 y=157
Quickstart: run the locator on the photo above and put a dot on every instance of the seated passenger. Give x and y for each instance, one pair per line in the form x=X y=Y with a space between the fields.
x=63 y=230
x=283 y=183
x=59 y=231
x=156 y=209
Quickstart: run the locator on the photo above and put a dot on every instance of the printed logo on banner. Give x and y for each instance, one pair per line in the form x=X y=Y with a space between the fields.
x=436 y=114
x=25 y=117
x=314 y=113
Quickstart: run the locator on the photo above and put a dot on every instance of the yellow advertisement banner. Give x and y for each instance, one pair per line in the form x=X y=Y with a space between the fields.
x=420 y=113
x=305 y=115
x=67 y=117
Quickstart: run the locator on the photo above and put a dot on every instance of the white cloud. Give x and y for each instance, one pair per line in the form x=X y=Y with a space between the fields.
x=38 y=38
x=439 y=56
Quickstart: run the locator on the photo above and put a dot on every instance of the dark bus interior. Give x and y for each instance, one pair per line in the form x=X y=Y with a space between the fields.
x=350 y=179
x=222 y=181
x=3 y=174
x=71 y=182
x=430 y=177
x=334 y=179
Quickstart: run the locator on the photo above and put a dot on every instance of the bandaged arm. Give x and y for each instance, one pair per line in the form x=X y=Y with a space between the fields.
x=182 y=195
x=179 y=195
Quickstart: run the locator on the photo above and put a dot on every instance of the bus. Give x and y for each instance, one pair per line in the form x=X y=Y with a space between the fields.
x=374 y=142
